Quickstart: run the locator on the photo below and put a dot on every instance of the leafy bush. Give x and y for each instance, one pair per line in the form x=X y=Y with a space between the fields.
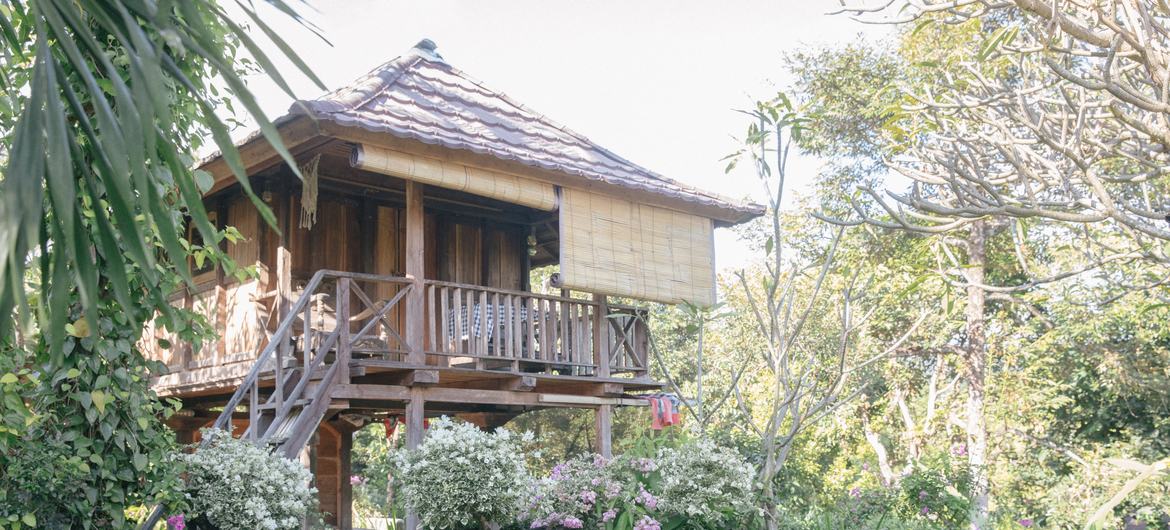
x=704 y=482
x=461 y=477
x=82 y=435
x=233 y=484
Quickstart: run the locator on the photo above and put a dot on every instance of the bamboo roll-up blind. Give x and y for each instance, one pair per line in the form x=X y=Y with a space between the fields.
x=501 y=186
x=618 y=247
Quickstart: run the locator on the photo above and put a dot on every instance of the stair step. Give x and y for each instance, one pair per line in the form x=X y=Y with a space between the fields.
x=283 y=431
x=274 y=406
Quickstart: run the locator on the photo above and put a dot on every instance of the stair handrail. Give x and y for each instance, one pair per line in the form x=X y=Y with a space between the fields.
x=269 y=350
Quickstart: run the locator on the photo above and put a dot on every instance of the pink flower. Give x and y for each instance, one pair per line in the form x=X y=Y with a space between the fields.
x=1026 y=523
x=572 y=522
x=608 y=516
x=176 y=522
x=356 y=480
x=647 y=523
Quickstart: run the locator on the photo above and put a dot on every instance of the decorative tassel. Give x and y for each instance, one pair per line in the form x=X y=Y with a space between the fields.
x=309 y=193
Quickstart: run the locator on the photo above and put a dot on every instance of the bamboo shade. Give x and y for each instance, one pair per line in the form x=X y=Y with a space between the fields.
x=614 y=246
x=493 y=184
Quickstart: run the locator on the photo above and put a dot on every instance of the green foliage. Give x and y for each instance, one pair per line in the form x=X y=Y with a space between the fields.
x=84 y=437
x=112 y=97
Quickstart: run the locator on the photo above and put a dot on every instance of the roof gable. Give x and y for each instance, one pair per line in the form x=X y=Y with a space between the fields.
x=419 y=96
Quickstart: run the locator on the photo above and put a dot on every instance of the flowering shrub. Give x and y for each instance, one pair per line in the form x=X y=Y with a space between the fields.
x=702 y=481
x=698 y=485
x=461 y=477
x=237 y=485
x=591 y=492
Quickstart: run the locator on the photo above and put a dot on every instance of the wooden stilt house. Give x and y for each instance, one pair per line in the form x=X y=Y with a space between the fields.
x=398 y=282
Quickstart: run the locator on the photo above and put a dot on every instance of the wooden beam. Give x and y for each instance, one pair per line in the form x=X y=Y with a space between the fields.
x=421 y=377
x=415 y=271
x=476 y=396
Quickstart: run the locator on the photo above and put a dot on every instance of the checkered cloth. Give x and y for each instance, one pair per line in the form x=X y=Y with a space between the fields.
x=475 y=327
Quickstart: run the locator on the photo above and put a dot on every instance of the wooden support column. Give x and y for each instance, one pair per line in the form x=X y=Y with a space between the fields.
x=345 y=462
x=604 y=420
x=414 y=436
x=601 y=336
x=415 y=271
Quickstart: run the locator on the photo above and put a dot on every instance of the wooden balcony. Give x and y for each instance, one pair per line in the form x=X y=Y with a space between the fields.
x=469 y=333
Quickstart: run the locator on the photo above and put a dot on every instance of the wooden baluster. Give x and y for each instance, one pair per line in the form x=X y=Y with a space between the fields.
x=343 y=345
x=432 y=323
x=445 y=319
x=566 y=340
x=307 y=335
x=542 y=310
x=531 y=308
x=514 y=339
x=509 y=324
x=482 y=342
x=574 y=335
x=499 y=317
x=458 y=309
x=254 y=412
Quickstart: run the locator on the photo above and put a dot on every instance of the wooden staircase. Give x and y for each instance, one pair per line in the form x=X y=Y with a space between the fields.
x=287 y=392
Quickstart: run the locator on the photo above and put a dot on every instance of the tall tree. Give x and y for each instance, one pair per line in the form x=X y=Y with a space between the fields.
x=101 y=103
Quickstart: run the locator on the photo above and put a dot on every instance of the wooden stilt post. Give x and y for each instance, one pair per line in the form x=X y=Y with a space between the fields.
x=345 y=463
x=415 y=271
x=414 y=437
x=604 y=420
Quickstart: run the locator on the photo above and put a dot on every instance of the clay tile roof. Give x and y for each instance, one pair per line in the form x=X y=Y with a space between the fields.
x=419 y=96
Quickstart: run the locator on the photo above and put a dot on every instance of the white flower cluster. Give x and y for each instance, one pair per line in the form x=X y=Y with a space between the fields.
x=238 y=485
x=704 y=481
x=461 y=476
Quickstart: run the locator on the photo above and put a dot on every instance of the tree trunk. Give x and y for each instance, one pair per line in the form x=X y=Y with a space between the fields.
x=976 y=366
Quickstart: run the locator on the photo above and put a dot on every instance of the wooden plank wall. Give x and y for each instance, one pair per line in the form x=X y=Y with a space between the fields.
x=352 y=234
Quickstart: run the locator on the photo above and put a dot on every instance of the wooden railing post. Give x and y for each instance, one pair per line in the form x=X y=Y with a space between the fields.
x=601 y=353
x=415 y=271
x=343 y=346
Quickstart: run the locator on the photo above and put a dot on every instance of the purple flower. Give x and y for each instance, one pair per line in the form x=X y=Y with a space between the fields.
x=922 y=495
x=572 y=522
x=1026 y=522
x=588 y=497
x=557 y=472
x=865 y=466
x=855 y=492
x=647 y=523
x=595 y=482
x=608 y=516
x=959 y=449
x=539 y=523
x=647 y=499
x=599 y=461
x=613 y=489
x=925 y=510
x=176 y=522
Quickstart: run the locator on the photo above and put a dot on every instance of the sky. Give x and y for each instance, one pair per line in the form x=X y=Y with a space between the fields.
x=656 y=81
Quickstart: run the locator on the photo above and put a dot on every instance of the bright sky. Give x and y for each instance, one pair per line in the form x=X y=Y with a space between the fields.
x=654 y=81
